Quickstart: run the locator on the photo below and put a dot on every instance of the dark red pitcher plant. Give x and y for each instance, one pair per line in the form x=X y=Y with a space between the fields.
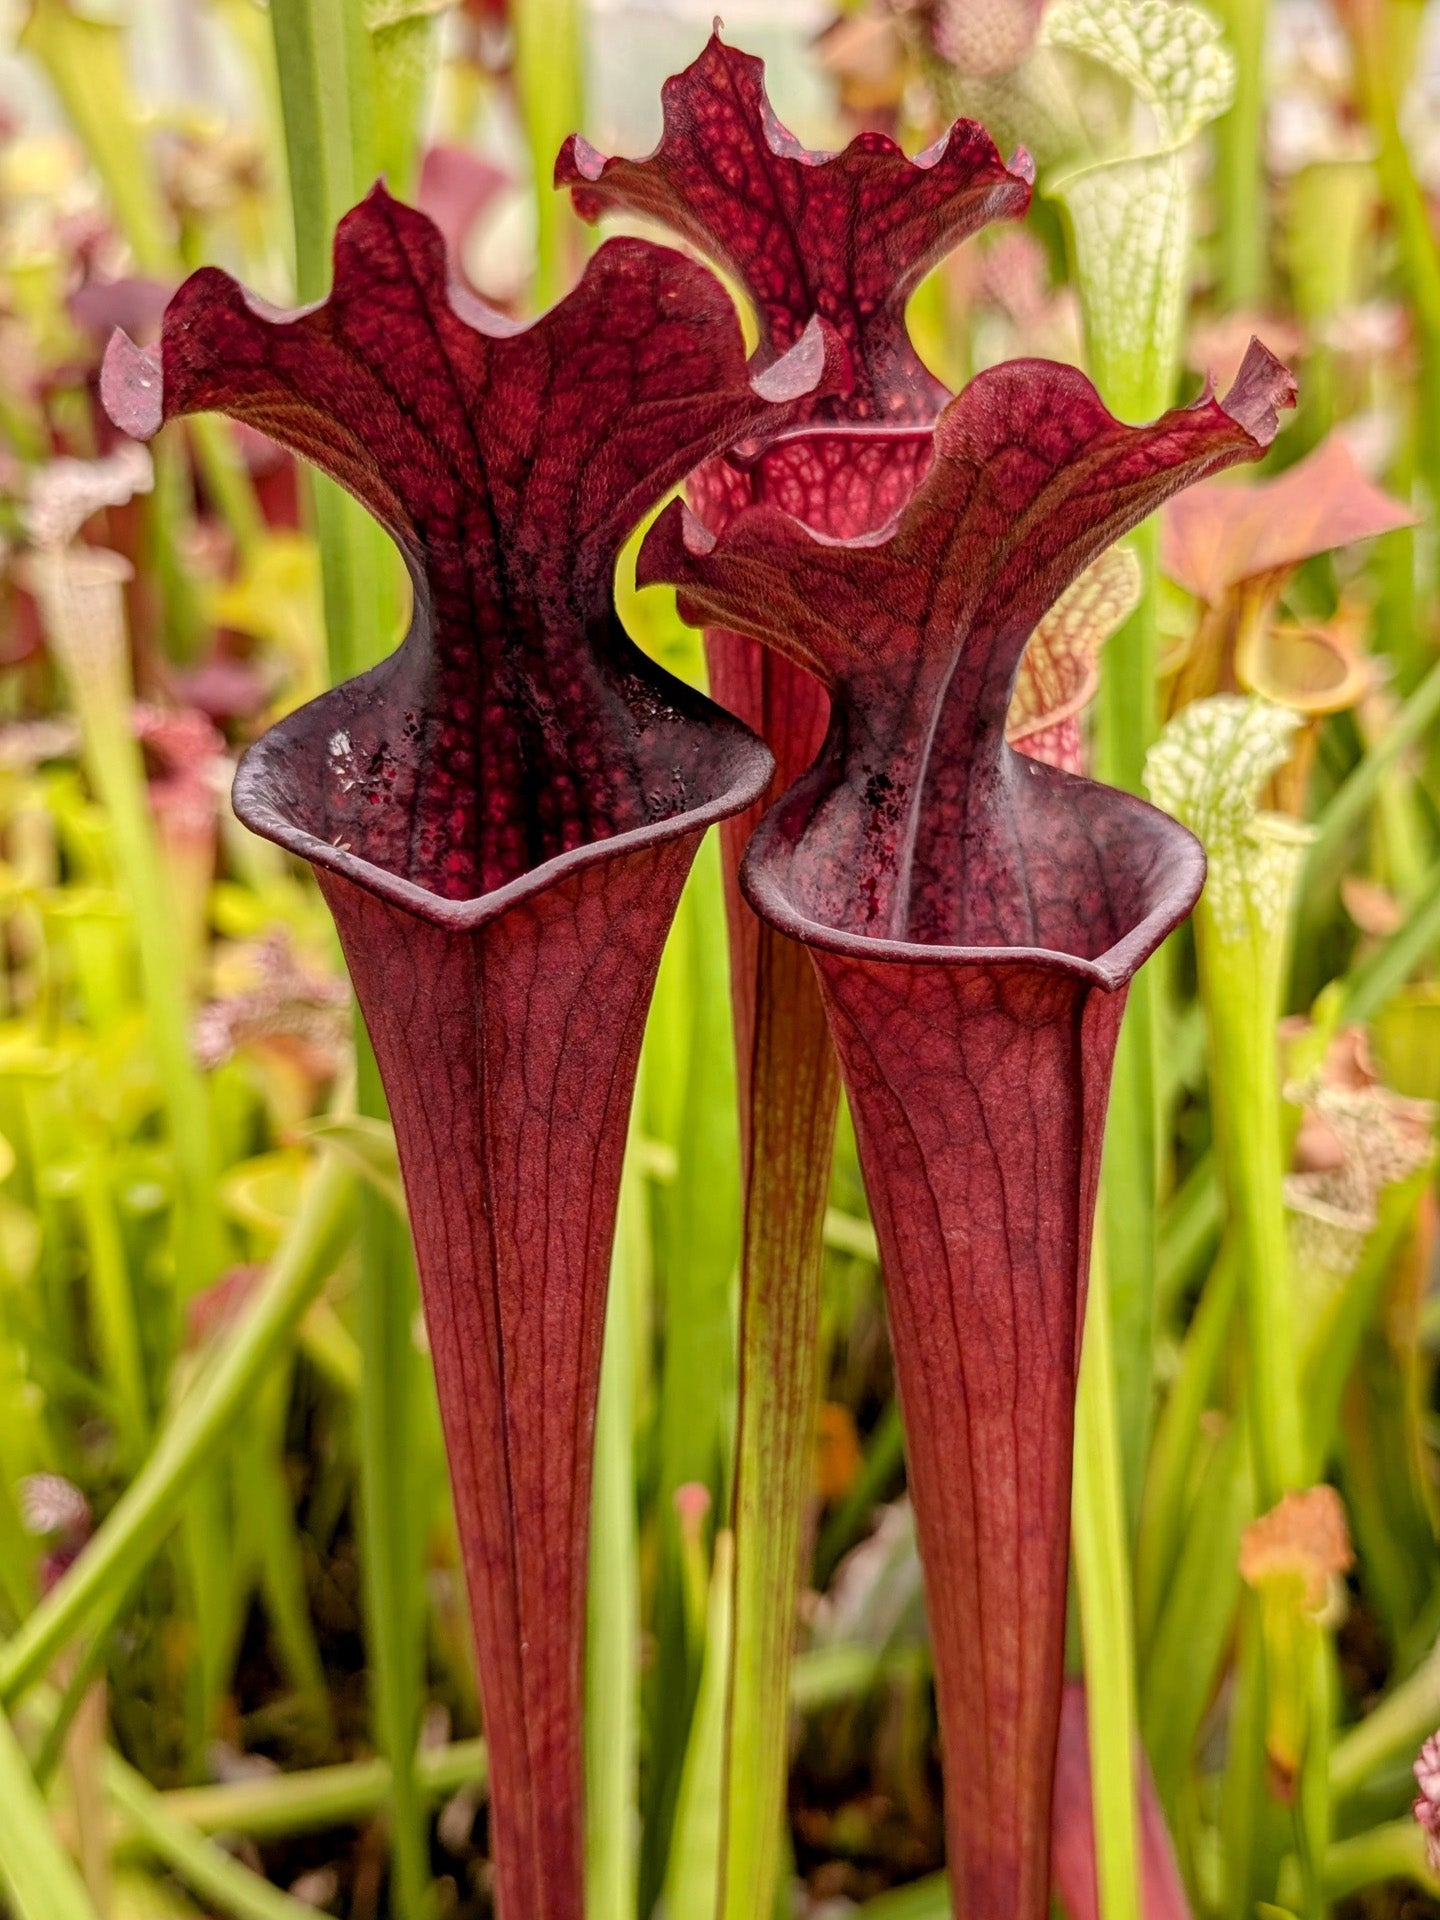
x=847 y=236
x=501 y=816
x=974 y=917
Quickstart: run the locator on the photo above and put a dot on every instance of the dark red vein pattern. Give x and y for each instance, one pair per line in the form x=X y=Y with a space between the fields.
x=974 y=918
x=979 y=1095
x=509 y=1061
x=501 y=816
x=918 y=823
x=509 y=464
x=846 y=235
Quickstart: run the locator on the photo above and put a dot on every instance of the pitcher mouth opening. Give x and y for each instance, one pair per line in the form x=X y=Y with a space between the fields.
x=840 y=479
x=1154 y=870
x=316 y=784
x=897 y=435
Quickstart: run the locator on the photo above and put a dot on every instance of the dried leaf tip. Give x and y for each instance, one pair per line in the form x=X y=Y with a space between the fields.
x=1303 y=1544
x=1262 y=389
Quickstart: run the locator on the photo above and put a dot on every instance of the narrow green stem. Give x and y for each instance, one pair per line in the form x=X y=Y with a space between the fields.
x=702 y=1206
x=164 y=552
x=1312 y=1809
x=549 y=49
x=1128 y=1184
x=1102 y=1578
x=1162 y=1514
x=794 y=1093
x=1250 y=1829
x=37 y=1876
x=1395 y=1730
x=612 y=1722
x=273 y=1807
x=112 y=1300
x=405 y=50
x=1348 y=806
x=206 y=1869
x=1125 y=725
x=1395 y=1851
x=692 y=1873
x=1126 y=713
x=271 y=1525
x=213 y=1566
x=1188 y=1238
x=1240 y=182
x=326 y=71
x=1239 y=985
x=201 y=1423
x=81 y=602
x=1379 y=64
x=85 y=62
x=227 y=483
x=689 y=1063
x=1194 y=1628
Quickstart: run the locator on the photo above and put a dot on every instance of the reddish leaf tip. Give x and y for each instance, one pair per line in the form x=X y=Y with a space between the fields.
x=817 y=365
x=577 y=163
x=132 y=387
x=672 y=538
x=1261 y=389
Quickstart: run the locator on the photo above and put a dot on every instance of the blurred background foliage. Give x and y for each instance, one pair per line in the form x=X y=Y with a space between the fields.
x=234 y=1658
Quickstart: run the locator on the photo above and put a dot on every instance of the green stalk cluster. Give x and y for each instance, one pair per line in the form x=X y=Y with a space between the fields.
x=1208 y=769
x=1129 y=219
x=80 y=592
